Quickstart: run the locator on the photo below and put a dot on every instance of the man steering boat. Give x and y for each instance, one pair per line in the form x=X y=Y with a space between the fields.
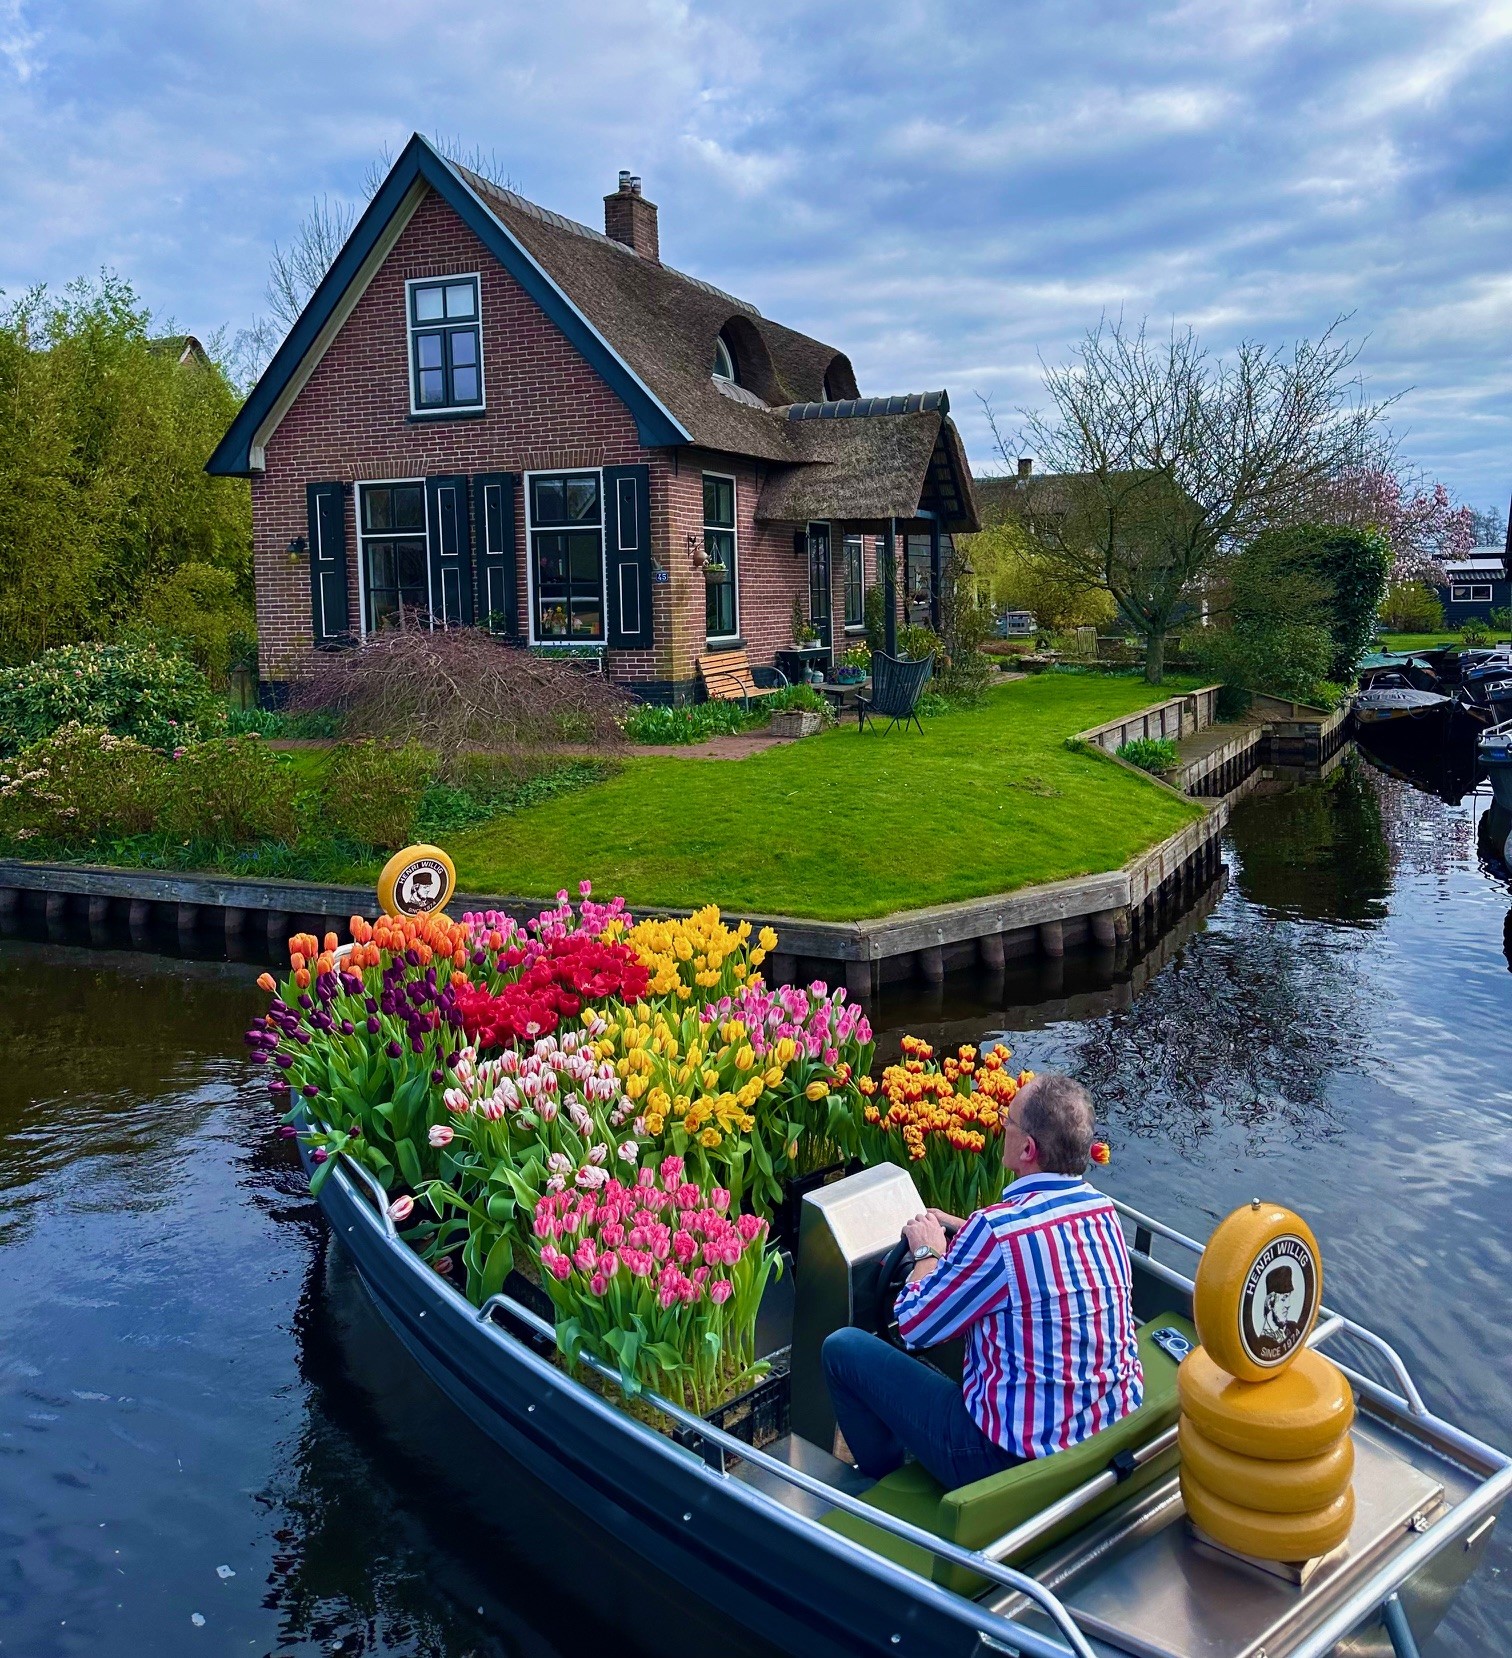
x=1039 y=1285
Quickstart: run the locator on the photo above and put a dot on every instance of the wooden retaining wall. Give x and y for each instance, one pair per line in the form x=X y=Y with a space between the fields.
x=1174 y=719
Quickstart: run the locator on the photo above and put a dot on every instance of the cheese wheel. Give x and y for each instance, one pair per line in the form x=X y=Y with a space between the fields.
x=1303 y=1412
x=1268 y=1536
x=1258 y=1289
x=1293 y=1487
x=417 y=881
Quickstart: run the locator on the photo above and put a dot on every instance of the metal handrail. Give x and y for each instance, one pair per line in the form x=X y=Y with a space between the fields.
x=971 y=1559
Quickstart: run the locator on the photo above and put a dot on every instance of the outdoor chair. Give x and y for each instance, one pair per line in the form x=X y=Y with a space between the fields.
x=896 y=686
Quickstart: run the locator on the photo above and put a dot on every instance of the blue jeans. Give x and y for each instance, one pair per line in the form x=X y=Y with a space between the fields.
x=889 y=1406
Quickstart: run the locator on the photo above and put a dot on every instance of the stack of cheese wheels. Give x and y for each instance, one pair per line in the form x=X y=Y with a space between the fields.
x=1266 y=1457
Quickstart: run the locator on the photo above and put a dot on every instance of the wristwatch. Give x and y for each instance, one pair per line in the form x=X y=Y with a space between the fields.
x=925 y=1253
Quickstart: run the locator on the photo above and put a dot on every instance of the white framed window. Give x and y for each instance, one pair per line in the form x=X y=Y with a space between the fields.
x=445 y=344
x=724 y=361
x=721 y=595
x=1470 y=593
x=564 y=532
x=393 y=553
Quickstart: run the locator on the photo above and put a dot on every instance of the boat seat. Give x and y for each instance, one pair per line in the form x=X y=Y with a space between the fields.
x=977 y=1514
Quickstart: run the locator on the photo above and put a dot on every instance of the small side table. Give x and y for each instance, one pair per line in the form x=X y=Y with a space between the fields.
x=842 y=694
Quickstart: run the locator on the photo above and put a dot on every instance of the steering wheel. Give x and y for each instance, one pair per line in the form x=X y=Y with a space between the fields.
x=892 y=1274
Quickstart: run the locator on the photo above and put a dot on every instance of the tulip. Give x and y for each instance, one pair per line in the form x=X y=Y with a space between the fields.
x=441 y=1134
x=288 y=1132
x=1102 y=1152
x=319 y=1155
x=401 y=1208
x=720 y=1291
x=266 y=981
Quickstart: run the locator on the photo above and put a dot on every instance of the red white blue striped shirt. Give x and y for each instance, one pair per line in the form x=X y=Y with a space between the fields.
x=1039 y=1282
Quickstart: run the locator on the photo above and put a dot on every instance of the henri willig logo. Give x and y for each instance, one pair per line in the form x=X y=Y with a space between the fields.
x=1279 y=1300
x=419 y=887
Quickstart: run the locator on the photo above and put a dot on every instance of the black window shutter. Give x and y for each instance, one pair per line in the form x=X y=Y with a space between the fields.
x=451 y=585
x=627 y=555
x=330 y=613
x=494 y=533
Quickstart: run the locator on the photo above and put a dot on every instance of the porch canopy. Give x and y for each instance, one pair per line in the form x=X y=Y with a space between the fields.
x=877 y=465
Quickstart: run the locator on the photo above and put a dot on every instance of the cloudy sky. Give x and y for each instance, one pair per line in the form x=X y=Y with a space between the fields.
x=947 y=191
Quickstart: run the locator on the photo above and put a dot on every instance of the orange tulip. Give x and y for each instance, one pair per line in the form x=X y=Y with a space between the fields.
x=266 y=981
x=1102 y=1152
x=302 y=978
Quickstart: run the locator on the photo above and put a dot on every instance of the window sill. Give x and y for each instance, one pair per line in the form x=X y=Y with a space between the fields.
x=727 y=642
x=418 y=418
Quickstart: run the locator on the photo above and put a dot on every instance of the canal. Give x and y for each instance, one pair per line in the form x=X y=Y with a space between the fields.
x=208 y=1446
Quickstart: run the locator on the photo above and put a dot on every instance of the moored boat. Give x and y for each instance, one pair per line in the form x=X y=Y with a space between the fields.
x=1494 y=751
x=1388 y=697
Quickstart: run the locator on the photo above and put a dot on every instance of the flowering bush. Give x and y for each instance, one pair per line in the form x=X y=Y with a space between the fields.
x=697 y=958
x=945 y=1121
x=78 y=784
x=154 y=696
x=655 y=1278
x=233 y=789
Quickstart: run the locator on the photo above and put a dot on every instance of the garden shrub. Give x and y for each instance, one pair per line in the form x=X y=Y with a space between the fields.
x=1152 y=754
x=491 y=791
x=915 y=642
x=1474 y=631
x=206 y=613
x=1287 y=659
x=372 y=794
x=155 y=696
x=233 y=791
x=276 y=722
x=1501 y=620
x=1409 y=607
x=79 y=783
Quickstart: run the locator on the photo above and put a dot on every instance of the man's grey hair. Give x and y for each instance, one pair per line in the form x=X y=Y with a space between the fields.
x=1057 y=1113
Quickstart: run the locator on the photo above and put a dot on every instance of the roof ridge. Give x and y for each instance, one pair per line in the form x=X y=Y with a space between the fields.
x=573 y=227
x=851 y=408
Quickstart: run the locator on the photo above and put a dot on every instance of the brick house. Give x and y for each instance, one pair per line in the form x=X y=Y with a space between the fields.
x=490 y=414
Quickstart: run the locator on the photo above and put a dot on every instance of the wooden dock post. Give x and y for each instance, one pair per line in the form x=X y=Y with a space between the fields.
x=139 y=921
x=1052 y=938
x=278 y=936
x=188 y=918
x=1105 y=929
x=990 y=948
x=858 y=980
x=931 y=960
x=10 y=900
x=55 y=907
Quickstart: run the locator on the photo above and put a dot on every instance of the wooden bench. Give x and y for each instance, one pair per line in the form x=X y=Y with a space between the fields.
x=728 y=677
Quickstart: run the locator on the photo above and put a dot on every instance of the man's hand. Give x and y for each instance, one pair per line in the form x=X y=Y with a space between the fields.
x=926 y=1232
x=948 y=1223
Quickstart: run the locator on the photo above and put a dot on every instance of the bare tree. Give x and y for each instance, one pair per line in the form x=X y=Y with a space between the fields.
x=1167 y=458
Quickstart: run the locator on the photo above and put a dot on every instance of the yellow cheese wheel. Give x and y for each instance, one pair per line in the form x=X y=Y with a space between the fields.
x=1292 y=1487
x=417 y=881
x=1258 y=1288
x=1303 y=1412
x=1268 y=1536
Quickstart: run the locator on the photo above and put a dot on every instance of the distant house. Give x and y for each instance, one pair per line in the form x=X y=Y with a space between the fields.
x=183 y=348
x=1475 y=585
x=489 y=413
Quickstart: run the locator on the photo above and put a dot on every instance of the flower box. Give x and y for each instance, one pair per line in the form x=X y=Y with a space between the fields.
x=795 y=722
x=717 y=575
x=761 y=1413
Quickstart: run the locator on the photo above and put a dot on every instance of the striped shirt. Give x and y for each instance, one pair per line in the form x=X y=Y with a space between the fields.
x=1039 y=1283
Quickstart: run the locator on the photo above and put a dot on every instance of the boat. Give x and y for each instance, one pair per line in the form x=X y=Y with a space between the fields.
x=1494 y=752
x=1388 y=697
x=797 y=1552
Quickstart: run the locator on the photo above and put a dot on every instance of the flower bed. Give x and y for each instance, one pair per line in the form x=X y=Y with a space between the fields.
x=615 y=1107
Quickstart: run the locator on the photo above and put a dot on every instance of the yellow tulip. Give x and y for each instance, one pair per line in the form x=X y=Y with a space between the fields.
x=816 y=1091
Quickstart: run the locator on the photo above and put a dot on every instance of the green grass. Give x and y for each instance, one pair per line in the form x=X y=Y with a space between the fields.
x=1428 y=641
x=845 y=827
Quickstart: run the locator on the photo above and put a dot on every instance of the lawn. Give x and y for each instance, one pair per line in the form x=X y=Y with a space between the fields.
x=842 y=827
x=1425 y=641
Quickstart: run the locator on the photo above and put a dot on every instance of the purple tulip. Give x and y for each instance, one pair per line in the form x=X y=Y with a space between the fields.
x=354 y=1132
x=347 y=1027
x=310 y=1091
x=437 y=1077
x=320 y=1154
x=288 y=1132
x=372 y=1025
x=417 y=1043
x=393 y=1050
x=305 y=1002
x=284 y=1061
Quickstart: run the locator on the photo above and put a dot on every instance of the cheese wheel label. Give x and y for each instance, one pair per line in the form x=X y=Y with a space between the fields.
x=417 y=881
x=1279 y=1300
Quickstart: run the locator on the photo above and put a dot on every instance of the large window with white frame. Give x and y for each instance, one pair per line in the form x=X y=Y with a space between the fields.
x=566 y=528
x=722 y=600
x=394 y=554
x=446 y=345
x=855 y=582
x=1470 y=593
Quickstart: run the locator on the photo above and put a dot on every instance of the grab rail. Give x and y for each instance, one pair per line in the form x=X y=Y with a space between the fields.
x=1023 y=1639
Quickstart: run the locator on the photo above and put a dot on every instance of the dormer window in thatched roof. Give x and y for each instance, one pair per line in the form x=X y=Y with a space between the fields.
x=724 y=361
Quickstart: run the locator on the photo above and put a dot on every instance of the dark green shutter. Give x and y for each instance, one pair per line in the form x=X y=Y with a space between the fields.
x=494 y=533
x=451 y=585
x=330 y=612
x=627 y=555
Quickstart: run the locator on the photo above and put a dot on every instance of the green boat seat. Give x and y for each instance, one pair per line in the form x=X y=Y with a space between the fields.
x=977 y=1514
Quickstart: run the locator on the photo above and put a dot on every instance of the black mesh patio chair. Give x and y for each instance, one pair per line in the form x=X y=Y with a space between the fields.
x=896 y=686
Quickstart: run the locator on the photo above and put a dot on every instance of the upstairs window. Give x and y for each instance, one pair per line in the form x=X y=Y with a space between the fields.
x=724 y=362
x=446 y=346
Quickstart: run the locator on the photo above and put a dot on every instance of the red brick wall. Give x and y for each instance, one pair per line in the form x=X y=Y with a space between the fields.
x=546 y=407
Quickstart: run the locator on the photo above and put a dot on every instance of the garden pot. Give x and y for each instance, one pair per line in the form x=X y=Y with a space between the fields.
x=795 y=722
x=716 y=575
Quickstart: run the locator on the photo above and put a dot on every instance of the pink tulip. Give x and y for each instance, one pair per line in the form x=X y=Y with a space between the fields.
x=720 y=1291
x=442 y=1134
x=719 y=1199
x=556 y=1263
x=401 y=1208
x=598 y=1283
x=684 y=1246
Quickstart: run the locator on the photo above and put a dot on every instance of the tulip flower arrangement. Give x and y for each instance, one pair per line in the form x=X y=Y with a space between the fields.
x=697 y=958
x=520 y=1124
x=654 y=1277
x=945 y=1121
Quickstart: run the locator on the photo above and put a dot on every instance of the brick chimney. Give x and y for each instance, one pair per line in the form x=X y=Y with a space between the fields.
x=1025 y=465
x=631 y=219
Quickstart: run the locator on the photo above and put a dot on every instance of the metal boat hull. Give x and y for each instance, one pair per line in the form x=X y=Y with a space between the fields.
x=775 y=1579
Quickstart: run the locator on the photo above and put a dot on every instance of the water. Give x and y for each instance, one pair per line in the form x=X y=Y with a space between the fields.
x=190 y=1380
